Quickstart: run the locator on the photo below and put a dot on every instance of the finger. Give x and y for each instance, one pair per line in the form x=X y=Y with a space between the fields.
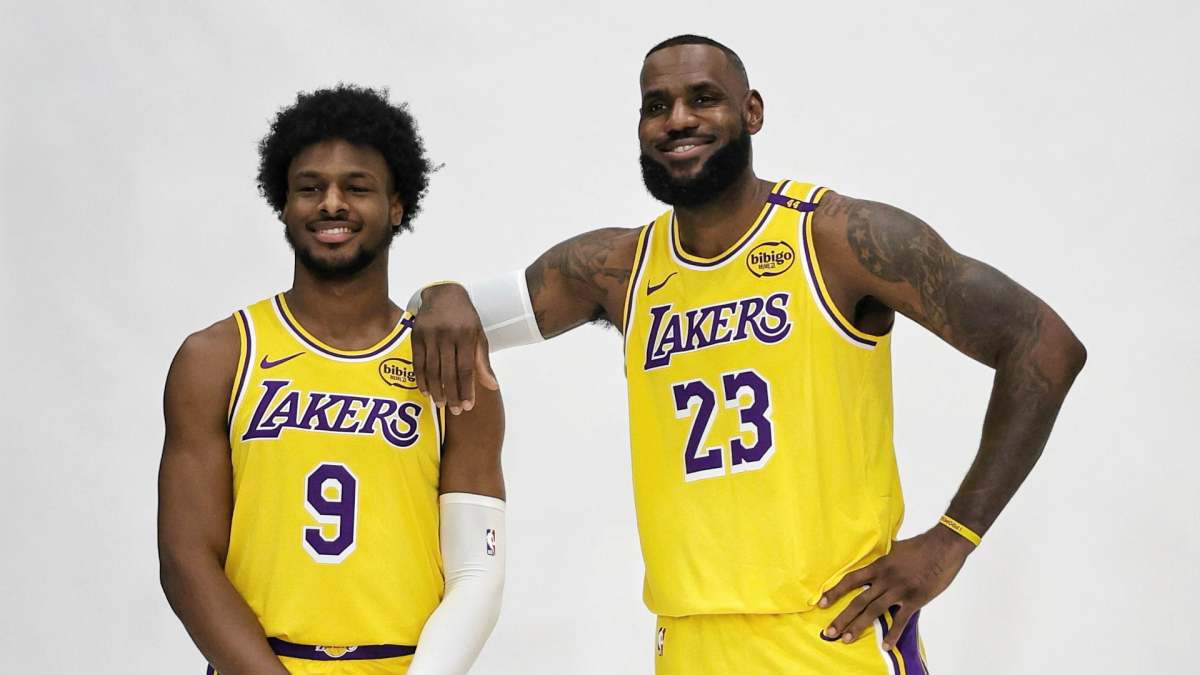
x=483 y=365
x=418 y=354
x=433 y=376
x=873 y=611
x=898 y=625
x=448 y=367
x=842 y=622
x=853 y=580
x=464 y=371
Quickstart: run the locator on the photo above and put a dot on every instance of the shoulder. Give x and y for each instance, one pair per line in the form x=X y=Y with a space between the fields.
x=206 y=362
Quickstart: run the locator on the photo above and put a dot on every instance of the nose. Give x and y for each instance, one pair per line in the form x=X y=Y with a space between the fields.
x=333 y=202
x=681 y=117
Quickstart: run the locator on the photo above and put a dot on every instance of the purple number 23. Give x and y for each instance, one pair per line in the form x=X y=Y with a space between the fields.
x=698 y=400
x=331 y=498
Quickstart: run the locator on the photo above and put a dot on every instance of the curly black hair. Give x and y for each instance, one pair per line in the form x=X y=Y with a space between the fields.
x=361 y=116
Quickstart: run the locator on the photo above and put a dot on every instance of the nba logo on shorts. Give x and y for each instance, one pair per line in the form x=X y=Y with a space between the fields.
x=490 y=540
x=662 y=639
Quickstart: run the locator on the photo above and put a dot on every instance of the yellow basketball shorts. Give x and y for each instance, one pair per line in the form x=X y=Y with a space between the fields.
x=780 y=644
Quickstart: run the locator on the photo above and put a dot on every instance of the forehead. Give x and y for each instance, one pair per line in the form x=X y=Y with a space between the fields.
x=338 y=156
x=682 y=65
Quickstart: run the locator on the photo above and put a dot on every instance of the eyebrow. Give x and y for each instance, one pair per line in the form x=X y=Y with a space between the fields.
x=691 y=89
x=352 y=174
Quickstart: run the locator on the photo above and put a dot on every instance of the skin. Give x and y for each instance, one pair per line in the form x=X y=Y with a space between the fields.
x=330 y=184
x=877 y=260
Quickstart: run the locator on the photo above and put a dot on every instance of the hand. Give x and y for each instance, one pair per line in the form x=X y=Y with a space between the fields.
x=449 y=348
x=915 y=572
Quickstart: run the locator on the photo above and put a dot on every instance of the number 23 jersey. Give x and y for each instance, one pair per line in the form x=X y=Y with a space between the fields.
x=336 y=461
x=760 y=421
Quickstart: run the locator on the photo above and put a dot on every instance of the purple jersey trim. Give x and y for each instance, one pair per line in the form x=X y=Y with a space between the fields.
x=791 y=202
x=907 y=649
x=811 y=269
x=246 y=365
x=405 y=323
x=360 y=653
x=689 y=261
x=635 y=277
x=762 y=222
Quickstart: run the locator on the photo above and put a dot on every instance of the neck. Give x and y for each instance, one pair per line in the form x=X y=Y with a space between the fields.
x=710 y=230
x=351 y=313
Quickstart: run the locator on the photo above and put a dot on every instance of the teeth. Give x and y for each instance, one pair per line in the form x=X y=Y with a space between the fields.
x=336 y=230
x=682 y=148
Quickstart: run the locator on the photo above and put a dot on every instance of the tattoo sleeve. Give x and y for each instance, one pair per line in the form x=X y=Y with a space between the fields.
x=581 y=280
x=987 y=316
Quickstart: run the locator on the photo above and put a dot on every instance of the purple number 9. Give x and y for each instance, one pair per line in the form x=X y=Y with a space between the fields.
x=331 y=497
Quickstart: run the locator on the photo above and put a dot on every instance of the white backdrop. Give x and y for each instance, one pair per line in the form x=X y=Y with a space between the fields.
x=1057 y=141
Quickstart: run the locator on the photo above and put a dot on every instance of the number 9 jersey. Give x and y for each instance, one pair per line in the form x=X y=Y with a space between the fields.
x=760 y=421
x=336 y=458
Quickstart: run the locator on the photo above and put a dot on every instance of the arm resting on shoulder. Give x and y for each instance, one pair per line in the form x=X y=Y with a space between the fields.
x=580 y=280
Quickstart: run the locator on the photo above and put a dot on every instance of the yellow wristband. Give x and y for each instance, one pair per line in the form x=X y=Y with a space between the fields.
x=958 y=527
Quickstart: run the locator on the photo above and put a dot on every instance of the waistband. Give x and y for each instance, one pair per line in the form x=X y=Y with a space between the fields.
x=349 y=653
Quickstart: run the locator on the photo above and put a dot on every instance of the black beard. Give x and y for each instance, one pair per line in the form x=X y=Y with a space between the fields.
x=327 y=271
x=719 y=173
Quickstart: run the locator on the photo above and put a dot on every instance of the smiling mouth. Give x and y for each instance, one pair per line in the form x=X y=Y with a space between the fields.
x=683 y=148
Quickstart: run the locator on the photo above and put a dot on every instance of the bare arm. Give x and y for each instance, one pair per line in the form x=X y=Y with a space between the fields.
x=471 y=450
x=581 y=280
x=881 y=252
x=195 y=507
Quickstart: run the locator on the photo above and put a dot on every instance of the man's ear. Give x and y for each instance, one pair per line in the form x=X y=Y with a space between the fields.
x=753 y=111
x=395 y=212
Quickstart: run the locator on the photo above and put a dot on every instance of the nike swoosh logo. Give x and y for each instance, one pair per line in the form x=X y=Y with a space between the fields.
x=267 y=363
x=650 y=289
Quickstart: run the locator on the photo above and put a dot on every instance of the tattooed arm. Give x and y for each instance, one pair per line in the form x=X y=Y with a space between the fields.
x=877 y=259
x=581 y=280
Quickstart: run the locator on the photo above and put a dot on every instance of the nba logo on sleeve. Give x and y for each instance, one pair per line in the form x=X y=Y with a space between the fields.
x=661 y=639
x=490 y=540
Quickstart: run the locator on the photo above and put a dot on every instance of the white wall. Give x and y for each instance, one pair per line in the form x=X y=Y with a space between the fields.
x=1057 y=141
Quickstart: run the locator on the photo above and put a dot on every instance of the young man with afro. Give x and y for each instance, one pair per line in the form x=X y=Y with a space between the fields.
x=304 y=478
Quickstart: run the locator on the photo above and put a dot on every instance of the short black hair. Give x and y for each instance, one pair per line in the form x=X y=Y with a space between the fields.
x=690 y=39
x=362 y=117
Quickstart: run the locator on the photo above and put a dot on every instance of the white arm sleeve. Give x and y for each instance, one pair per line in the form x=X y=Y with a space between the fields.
x=504 y=309
x=472 y=542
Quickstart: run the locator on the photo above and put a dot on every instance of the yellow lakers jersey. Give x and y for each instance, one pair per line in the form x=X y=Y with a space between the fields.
x=336 y=459
x=760 y=421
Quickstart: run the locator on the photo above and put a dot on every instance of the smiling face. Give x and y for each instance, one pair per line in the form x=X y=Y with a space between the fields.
x=697 y=116
x=341 y=210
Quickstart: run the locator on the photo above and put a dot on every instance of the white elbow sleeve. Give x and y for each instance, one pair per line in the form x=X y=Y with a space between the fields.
x=473 y=548
x=505 y=310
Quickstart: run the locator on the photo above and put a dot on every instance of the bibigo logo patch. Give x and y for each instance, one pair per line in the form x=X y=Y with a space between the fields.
x=398 y=373
x=770 y=258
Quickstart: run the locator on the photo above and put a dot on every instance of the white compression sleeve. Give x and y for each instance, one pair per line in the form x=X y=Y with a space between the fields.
x=472 y=543
x=505 y=310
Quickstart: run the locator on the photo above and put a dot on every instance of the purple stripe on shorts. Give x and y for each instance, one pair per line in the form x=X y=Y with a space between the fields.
x=909 y=647
x=359 y=653
x=791 y=202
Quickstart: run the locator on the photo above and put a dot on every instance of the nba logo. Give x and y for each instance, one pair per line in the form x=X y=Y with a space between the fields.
x=490 y=540
x=662 y=639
